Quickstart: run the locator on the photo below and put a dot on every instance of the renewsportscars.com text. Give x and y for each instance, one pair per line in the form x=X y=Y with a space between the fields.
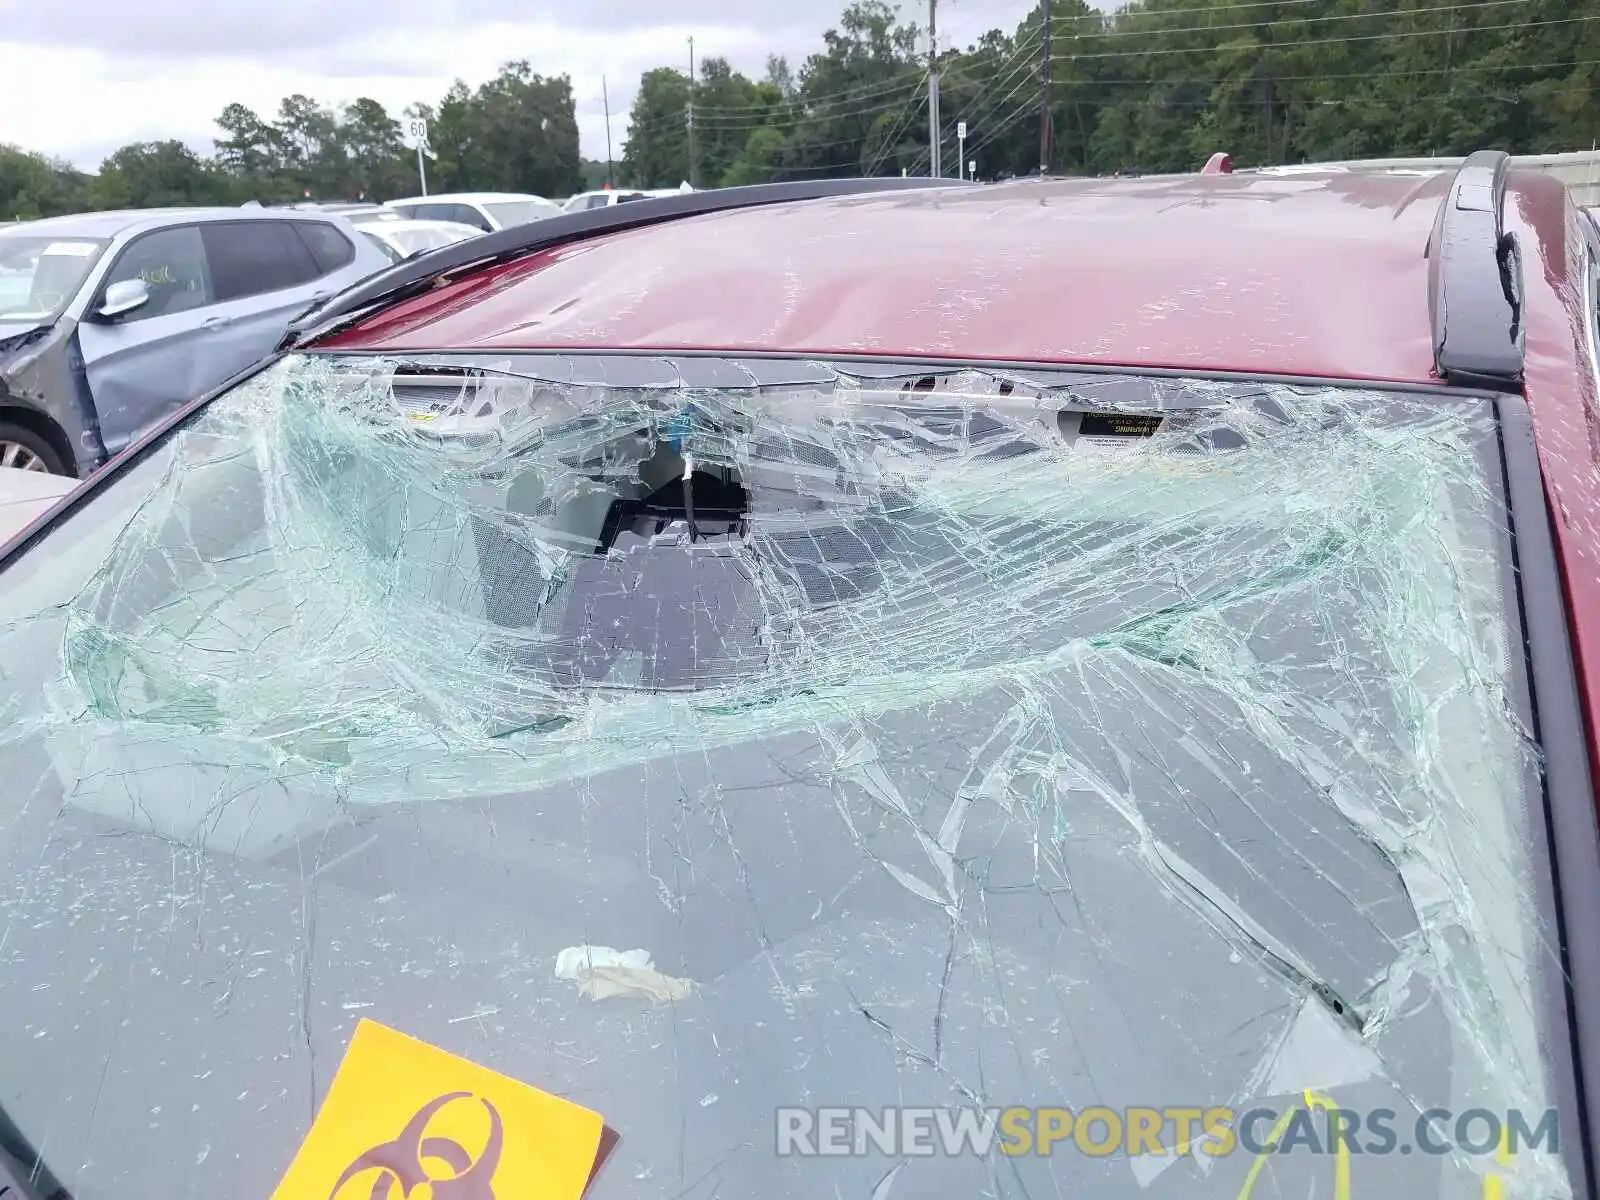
x=1165 y=1130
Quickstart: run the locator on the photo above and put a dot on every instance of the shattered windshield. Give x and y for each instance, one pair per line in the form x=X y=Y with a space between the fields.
x=521 y=212
x=39 y=276
x=719 y=743
x=430 y=237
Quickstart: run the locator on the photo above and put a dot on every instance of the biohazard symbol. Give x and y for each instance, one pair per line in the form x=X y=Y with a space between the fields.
x=401 y=1164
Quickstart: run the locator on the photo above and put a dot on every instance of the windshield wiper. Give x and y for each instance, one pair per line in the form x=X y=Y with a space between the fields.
x=1268 y=950
x=23 y=1175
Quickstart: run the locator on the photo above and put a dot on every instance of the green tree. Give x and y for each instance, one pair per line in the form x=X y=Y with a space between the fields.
x=758 y=159
x=251 y=149
x=527 y=129
x=33 y=186
x=1157 y=85
x=159 y=175
x=868 y=69
x=517 y=132
x=377 y=163
x=314 y=151
x=656 y=153
x=728 y=108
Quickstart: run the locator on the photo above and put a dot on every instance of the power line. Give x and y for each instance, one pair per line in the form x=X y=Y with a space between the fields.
x=756 y=116
x=1018 y=68
x=1000 y=128
x=907 y=115
x=901 y=92
x=1397 y=72
x=800 y=106
x=1006 y=70
x=1110 y=20
x=859 y=92
x=910 y=86
x=1164 y=31
x=1302 y=44
x=770 y=117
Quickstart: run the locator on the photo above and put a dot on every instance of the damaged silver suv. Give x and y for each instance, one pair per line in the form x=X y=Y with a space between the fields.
x=1029 y=721
x=111 y=321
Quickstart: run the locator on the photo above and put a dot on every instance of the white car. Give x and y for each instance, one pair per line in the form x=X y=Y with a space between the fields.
x=26 y=491
x=606 y=197
x=485 y=211
x=404 y=236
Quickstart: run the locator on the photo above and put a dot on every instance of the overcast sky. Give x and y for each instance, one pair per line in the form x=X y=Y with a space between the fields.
x=81 y=77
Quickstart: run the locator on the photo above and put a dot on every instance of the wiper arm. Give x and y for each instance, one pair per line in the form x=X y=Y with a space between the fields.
x=1268 y=951
x=23 y=1175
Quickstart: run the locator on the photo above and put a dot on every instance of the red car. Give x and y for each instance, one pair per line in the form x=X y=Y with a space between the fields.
x=862 y=689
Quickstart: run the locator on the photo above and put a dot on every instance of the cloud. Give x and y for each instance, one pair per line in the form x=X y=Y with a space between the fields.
x=79 y=80
x=182 y=28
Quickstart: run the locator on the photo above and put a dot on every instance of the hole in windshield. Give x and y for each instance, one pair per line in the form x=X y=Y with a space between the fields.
x=976 y=737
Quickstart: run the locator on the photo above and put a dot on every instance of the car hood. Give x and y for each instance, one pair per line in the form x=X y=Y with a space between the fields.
x=26 y=495
x=15 y=336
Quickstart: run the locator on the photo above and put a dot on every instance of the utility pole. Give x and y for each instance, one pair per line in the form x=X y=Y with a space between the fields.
x=936 y=168
x=605 y=99
x=1044 y=97
x=691 y=112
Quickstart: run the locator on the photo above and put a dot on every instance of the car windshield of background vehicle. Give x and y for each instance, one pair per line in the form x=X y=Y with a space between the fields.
x=390 y=252
x=520 y=212
x=413 y=241
x=40 y=275
x=957 y=737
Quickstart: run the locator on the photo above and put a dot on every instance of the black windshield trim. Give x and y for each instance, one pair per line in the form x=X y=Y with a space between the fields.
x=1573 y=845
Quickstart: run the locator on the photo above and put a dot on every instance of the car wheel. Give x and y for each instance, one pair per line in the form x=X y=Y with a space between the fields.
x=22 y=447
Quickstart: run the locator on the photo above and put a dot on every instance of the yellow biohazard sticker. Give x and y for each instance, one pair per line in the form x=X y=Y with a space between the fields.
x=405 y=1120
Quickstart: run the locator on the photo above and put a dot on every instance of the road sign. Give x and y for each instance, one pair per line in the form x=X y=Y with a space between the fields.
x=416 y=131
x=961 y=130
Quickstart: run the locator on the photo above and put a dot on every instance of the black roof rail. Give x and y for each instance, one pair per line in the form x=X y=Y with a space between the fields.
x=1475 y=280
x=419 y=274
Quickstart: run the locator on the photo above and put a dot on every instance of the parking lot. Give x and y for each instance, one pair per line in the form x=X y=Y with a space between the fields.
x=162 y=306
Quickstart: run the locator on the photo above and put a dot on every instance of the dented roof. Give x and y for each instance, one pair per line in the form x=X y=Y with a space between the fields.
x=1199 y=272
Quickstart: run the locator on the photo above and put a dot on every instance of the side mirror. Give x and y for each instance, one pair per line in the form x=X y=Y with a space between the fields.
x=123 y=297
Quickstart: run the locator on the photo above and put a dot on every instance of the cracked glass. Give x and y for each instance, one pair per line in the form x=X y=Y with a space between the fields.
x=698 y=737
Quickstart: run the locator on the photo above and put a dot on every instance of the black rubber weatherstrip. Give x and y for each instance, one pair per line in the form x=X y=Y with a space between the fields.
x=1569 y=800
x=23 y=1174
x=932 y=363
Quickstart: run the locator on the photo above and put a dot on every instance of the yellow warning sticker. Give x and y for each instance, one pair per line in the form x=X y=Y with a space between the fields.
x=402 y=1114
